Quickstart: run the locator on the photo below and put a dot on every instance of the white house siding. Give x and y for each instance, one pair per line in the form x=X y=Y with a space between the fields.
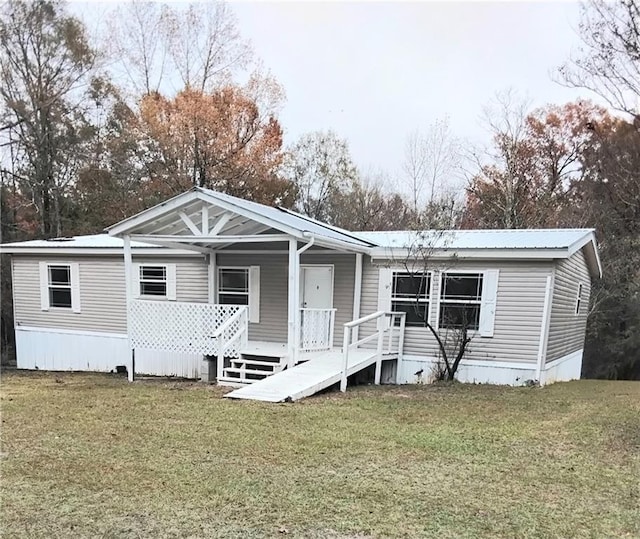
x=518 y=317
x=274 y=290
x=95 y=339
x=102 y=291
x=102 y=295
x=566 y=329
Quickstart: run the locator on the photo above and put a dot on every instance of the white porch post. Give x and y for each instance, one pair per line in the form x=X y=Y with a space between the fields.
x=128 y=268
x=293 y=303
x=357 y=293
x=212 y=271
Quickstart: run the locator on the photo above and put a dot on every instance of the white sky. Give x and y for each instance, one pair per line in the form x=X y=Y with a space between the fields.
x=374 y=72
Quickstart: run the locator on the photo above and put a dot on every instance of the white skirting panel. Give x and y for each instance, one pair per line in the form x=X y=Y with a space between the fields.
x=161 y=363
x=419 y=370
x=566 y=368
x=51 y=349
x=475 y=372
x=68 y=350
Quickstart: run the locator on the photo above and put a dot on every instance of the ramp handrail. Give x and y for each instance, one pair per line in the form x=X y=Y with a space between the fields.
x=241 y=332
x=386 y=327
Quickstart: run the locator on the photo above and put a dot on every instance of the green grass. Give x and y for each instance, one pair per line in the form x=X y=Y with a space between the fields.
x=88 y=455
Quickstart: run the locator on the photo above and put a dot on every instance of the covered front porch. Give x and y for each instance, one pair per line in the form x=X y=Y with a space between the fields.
x=220 y=334
x=280 y=285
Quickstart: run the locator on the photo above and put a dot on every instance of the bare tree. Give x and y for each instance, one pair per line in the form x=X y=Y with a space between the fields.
x=135 y=41
x=157 y=45
x=204 y=44
x=608 y=63
x=431 y=165
x=423 y=259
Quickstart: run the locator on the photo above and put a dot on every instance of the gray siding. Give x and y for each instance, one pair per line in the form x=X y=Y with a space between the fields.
x=518 y=318
x=273 y=293
x=566 y=329
x=102 y=291
x=274 y=290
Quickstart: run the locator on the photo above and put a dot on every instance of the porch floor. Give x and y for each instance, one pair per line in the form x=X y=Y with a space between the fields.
x=321 y=370
x=276 y=349
x=264 y=348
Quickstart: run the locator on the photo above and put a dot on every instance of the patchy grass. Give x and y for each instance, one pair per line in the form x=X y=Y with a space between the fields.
x=88 y=455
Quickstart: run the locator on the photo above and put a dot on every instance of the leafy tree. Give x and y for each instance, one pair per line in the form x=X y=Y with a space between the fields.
x=220 y=140
x=607 y=197
x=46 y=64
x=534 y=160
x=365 y=205
x=321 y=168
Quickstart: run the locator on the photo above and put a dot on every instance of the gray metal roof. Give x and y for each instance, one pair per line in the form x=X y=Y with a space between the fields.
x=172 y=220
x=558 y=238
x=92 y=241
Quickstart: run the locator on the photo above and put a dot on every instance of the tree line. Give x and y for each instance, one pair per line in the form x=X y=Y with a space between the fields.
x=94 y=128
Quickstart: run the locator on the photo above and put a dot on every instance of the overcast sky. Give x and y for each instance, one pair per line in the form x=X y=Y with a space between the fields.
x=374 y=72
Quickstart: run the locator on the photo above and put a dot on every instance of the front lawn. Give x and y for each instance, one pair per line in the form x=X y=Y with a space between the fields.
x=89 y=455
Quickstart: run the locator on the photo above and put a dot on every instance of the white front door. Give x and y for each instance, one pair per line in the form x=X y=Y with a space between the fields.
x=317 y=287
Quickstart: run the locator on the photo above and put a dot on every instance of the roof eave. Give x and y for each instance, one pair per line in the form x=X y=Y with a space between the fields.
x=589 y=245
x=70 y=250
x=401 y=253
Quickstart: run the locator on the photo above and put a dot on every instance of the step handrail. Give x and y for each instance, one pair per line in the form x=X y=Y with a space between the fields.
x=379 y=335
x=223 y=344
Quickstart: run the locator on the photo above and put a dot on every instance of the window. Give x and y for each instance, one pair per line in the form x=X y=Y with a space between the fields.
x=233 y=286
x=60 y=286
x=579 y=299
x=410 y=294
x=460 y=300
x=153 y=281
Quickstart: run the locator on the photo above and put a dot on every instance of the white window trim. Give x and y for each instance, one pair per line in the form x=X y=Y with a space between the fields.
x=74 y=285
x=170 y=274
x=442 y=300
x=252 y=293
x=487 y=302
x=579 y=298
x=428 y=299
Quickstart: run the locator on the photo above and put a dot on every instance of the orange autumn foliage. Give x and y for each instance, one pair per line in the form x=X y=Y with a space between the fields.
x=219 y=140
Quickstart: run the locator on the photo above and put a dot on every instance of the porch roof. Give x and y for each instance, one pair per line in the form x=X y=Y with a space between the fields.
x=202 y=219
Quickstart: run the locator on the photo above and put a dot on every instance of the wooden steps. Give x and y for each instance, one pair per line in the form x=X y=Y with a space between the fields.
x=256 y=362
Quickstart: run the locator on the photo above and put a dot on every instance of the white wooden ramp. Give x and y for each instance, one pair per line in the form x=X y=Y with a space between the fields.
x=307 y=378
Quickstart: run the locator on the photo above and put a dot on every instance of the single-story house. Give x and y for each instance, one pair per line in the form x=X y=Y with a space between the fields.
x=209 y=286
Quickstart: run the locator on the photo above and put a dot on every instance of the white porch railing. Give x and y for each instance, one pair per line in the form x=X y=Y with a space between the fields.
x=316 y=329
x=386 y=330
x=198 y=328
x=232 y=336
